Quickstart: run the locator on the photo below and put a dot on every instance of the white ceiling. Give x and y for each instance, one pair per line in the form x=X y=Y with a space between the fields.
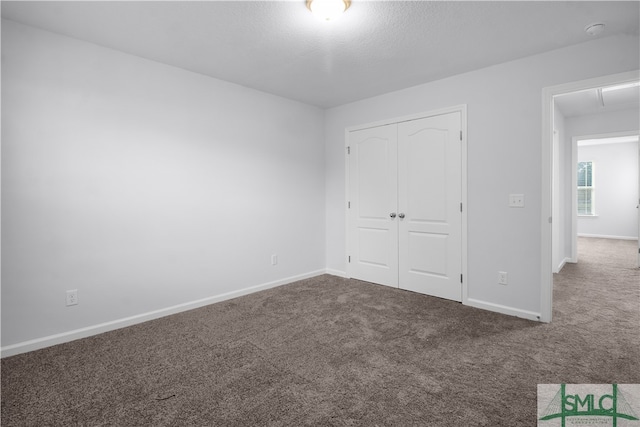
x=595 y=100
x=375 y=47
x=607 y=140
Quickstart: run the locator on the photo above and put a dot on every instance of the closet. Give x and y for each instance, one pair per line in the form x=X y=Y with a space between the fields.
x=404 y=207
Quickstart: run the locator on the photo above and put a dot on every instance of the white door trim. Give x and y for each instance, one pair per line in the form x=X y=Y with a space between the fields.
x=546 y=261
x=462 y=109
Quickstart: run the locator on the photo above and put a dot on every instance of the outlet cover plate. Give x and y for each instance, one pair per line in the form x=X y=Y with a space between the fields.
x=503 y=278
x=72 y=297
x=516 y=200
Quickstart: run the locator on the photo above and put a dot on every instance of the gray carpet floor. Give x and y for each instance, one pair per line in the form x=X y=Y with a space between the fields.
x=334 y=352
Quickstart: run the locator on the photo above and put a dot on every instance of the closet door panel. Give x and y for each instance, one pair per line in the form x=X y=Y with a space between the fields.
x=429 y=196
x=373 y=232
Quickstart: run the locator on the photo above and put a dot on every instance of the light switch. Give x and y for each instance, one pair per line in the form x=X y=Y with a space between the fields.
x=516 y=200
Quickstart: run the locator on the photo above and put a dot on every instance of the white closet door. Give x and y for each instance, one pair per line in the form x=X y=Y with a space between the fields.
x=429 y=197
x=373 y=182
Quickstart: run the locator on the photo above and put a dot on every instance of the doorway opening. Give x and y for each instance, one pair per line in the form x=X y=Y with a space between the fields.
x=597 y=108
x=608 y=207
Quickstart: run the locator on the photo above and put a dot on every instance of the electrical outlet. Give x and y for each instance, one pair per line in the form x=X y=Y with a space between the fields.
x=72 y=297
x=502 y=278
x=274 y=259
x=516 y=200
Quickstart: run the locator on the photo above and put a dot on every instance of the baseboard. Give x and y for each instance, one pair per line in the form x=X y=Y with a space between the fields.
x=38 y=343
x=338 y=273
x=562 y=263
x=503 y=309
x=605 y=236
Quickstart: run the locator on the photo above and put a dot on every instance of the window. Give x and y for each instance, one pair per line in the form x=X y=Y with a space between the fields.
x=585 y=189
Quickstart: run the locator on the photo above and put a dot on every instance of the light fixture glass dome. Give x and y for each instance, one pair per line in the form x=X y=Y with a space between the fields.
x=328 y=9
x=594 y=29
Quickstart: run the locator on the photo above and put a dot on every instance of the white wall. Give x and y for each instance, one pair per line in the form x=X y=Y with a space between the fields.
x=601 y=123
x=144 y=186
x=616 y=190
x=504 y=156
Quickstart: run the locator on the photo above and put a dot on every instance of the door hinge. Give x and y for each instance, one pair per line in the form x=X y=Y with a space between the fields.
x=460 y=206
x=348 y=150
x=348 y=205
x=460 y=135
x=349 y=258
x=461 y=278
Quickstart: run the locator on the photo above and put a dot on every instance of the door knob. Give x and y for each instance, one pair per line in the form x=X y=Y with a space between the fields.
x=400 y=215
x=392 y=214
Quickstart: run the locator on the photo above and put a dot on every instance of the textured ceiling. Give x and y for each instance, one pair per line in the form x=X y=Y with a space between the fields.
x=374 y=48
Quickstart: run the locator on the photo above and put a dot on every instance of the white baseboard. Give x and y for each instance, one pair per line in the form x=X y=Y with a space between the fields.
x=562 y=263
x=338 y=273
x=605 y=236
x=73 y=335
x=525 y=314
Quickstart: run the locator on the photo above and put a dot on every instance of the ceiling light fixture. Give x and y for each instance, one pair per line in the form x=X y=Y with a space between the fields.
x=328 y=10
x=594 y=29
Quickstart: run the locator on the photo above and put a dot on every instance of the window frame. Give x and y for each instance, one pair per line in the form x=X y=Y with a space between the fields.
x=590 y=189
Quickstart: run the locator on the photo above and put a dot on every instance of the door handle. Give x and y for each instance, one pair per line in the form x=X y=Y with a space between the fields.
x=392 y=214
x=400 y=215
